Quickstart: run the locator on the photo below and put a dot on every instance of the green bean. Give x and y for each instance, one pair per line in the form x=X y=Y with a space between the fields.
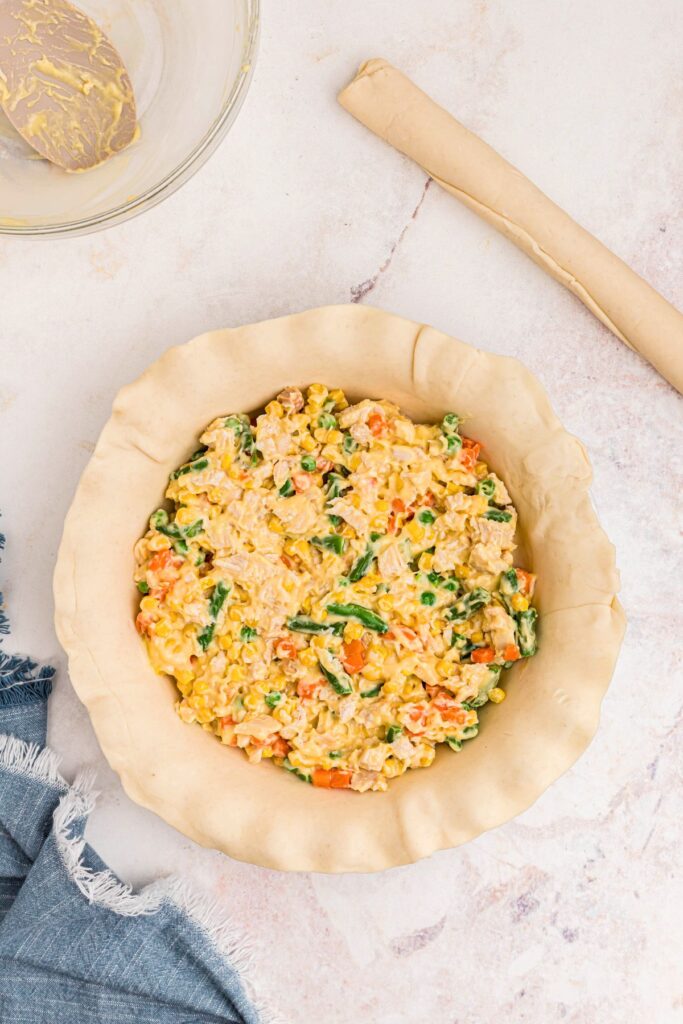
x=247 y=634
x=287 y=489
x=468 y=604
x=509 y=583
x=326 y=421
x=526 y=632
x=334 y=485
x=365 y=616
x=192 y=467
x=497 y=516
x=341 y=684
x=362 y=564
x=335 y=754
x=332 y=543
x=374 y=692
x=486 y=487
x=453 y=443
x=206 y=636
x=301 y=624
x=218 y=597
x=393 y=731
x=349 y=444
x=462 y=644
x=454 y=743
x=288 y=766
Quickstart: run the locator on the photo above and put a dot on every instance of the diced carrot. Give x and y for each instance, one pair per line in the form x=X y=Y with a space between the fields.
x=448 y=708
x=391 y=523
x=285 y=649
x=164 y=560
x=143 y=622
x=510 y=653
x=307 y=688
x=226 y=720
x=482 y=655
x=280 y=747
x=160 y=592
x=302 y=481
x=468 y=442
x=398 y=506
x=376 y=423
x=331 y=778
x=353 y=658
x=323 y=465
x=286 y=560
x=428 y=499
x=527 y=582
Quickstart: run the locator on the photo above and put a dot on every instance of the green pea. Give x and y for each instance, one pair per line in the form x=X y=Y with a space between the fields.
x=427 y=597
x=426 y=516
x=273 y=698
x=308 y=463
x=143 y=587
x=326 y=421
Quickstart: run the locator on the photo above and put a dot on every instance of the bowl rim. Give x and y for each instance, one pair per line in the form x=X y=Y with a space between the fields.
x=271 y=819
x=172 y=181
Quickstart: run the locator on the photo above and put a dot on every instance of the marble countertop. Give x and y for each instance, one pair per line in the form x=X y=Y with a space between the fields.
x=572 y=912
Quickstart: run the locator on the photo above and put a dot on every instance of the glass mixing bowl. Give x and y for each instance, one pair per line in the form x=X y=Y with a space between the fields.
x=190 y=62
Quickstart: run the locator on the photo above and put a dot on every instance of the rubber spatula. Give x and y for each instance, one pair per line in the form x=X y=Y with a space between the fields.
x=62 y=84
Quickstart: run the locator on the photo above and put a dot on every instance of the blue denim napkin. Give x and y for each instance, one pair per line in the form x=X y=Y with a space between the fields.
x=77 y=946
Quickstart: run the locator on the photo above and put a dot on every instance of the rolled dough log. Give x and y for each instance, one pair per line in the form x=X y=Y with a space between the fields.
x=391 y=106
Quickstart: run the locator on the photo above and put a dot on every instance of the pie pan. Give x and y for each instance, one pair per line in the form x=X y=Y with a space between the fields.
x=255 y=812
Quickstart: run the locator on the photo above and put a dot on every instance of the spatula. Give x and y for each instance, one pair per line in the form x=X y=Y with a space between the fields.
x=62 y=83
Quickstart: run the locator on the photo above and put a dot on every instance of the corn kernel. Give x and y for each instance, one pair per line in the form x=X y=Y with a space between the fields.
x=497 y=695
x=414 y=530
x=225 y=643
x=235 y=614
x=382 y=505
x=158 y=542
x=317 y=390
x=480 y=470
x=236 y=674
x=355 y=461
x=334 y=436
x=444 y=668
x=251 y=701
x=149 y=604
x=463 y=571
x=353 y=631
x=385 y=603
x=477 y=637
x=307 y=443
x=185 y=516
x=275 y=525
x=453 y=488
x=308 y=657
x=162 y=628
x=519 y=603
x=275 y=409
x=338 y=397
x=372 y=672
x=318 y=642
x=426 y=561
x=379 y=523
x=392 y=686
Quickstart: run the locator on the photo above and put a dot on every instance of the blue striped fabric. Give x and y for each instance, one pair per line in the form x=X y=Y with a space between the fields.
x=76 y=945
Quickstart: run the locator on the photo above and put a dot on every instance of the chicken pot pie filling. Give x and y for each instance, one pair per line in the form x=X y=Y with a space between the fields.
x=334 y=588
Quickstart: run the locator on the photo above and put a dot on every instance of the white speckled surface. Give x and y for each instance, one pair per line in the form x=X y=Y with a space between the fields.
x=573 y=911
